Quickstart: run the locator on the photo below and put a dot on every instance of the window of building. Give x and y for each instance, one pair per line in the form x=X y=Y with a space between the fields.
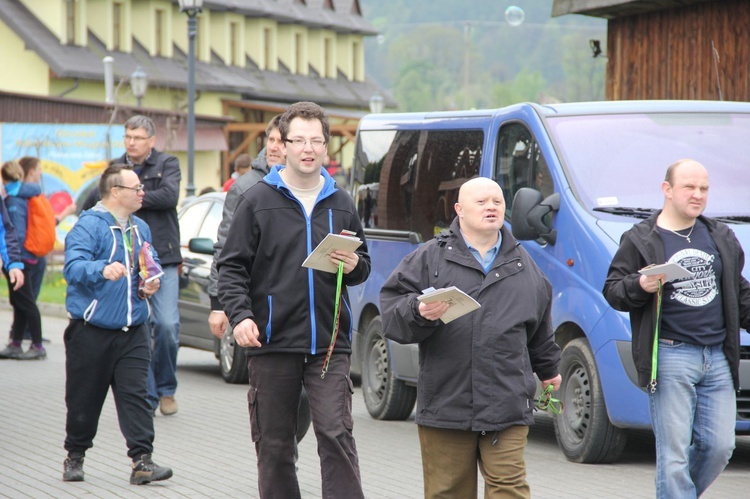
x=266 y=48
x=298 y=48
x=117 y=27
x=328 y=4
x=233 y=44
x=70 y=22
x=159 y=35
x=356 y=62
x=328 y=71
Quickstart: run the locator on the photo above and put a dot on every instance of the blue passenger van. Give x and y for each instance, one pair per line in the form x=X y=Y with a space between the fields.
x=575 y=177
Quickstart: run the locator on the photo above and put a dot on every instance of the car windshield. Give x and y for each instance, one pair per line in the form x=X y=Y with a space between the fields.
x=616 y=163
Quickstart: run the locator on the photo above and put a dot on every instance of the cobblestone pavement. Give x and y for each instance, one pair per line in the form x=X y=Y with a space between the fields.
x=208 y=445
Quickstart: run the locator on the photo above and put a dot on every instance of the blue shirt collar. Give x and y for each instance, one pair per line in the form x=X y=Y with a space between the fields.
x=489 y=256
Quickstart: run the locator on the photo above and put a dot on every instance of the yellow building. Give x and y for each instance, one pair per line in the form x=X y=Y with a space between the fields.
x=253 y=58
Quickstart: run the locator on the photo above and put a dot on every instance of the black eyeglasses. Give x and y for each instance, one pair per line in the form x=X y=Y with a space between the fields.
x=137 y=188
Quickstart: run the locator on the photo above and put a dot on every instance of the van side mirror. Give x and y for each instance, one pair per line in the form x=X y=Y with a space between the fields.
x=528 y=213
x=202 y=245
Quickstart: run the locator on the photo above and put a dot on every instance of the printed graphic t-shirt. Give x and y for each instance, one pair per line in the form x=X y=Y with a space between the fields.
x=692 y=309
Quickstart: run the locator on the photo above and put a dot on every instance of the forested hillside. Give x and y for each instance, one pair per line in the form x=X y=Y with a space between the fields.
x=449 y=54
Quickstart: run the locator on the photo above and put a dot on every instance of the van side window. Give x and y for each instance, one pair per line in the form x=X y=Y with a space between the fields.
x=520 y=163
x=410 y=178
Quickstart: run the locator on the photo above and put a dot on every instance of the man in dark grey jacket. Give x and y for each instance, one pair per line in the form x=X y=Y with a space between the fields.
x=273 y=154
x=475 y=395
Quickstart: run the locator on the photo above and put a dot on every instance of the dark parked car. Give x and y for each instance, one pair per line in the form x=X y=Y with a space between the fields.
x=199 y=220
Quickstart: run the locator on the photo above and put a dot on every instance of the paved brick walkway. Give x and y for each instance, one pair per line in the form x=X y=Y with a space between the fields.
x=208 y=444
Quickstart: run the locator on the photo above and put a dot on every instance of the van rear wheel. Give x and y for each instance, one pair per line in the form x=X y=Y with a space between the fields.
x=583 y=430
x=386 y=397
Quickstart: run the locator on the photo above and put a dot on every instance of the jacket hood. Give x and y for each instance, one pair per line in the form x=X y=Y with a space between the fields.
x=104 y=215
x=23 y=189
x=260 y=162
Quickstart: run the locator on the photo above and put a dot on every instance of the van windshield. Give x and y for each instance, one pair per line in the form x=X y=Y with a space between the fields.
x=619 y=161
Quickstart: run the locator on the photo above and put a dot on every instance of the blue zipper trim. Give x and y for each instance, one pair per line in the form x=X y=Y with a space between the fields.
x=311 y=288
x=349 y=311
x=268 y=324
x=310 y=277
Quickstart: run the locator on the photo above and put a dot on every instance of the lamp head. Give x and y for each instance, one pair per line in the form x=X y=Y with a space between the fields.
x=139 y=82
x=377 y=103
x=191 y=7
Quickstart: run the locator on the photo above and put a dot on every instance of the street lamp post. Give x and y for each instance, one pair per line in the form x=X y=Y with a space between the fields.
x=192 y=8
x=139 y=84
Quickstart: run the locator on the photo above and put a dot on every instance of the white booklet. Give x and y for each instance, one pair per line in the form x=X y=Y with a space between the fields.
x=459 y=302
x=318 y=259
x=673 y=271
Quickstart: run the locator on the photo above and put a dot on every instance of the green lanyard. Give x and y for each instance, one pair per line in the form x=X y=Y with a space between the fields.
x=655 y=348
x=336 y=315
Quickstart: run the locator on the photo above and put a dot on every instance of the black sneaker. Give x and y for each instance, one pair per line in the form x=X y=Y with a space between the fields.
x=146 y=471
x=73 y=470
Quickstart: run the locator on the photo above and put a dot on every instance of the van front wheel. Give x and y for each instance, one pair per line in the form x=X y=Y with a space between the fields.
x=583 y=430
x=386 y=397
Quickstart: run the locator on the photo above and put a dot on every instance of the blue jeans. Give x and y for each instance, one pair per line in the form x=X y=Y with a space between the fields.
x=693 y=412
x=165 y=330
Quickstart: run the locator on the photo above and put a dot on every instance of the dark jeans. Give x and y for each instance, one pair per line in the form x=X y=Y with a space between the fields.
x=273 y=400
x=96 y=359
x=25 y=311
x=36 y=275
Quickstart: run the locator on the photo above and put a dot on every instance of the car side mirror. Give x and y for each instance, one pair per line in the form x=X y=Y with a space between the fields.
x=202 y=245
x=528 y=215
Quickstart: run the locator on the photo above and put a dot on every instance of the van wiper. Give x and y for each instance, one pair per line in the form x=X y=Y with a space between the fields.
x=627 y=211
x=734 y=219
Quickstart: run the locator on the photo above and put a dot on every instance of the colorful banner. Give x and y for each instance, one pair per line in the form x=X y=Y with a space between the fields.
x=72 y=157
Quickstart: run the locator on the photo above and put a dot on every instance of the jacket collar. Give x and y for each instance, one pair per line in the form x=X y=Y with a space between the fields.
x=274 y=179
x=508 y=244
x=149 y=161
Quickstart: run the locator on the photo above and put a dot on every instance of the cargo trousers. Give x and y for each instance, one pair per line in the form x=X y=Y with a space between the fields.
x=276 y=381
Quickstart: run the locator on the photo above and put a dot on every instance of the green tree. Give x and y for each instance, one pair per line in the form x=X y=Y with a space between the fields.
x=505 y=63
x=527 y=86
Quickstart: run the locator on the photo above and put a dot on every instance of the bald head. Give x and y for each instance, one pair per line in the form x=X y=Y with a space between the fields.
x=691 y=163
x=477 y=183
x=480 y=209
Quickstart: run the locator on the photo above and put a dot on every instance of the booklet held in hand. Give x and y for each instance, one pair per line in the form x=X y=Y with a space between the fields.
x=671 y=270
x=459 y=303
x=318 y=259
